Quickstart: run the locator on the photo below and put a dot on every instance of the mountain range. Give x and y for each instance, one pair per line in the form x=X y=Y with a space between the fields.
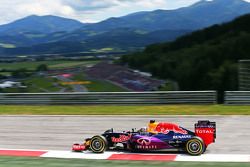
x=52 y=34
x=44 y=24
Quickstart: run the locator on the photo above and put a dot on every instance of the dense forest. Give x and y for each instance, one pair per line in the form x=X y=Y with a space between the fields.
x=203 y=60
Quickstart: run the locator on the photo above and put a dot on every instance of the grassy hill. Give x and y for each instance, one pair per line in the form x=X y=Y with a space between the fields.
x=205 y=59
x=58 y=64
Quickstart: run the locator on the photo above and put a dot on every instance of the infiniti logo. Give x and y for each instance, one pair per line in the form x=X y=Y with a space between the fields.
x=144 y=141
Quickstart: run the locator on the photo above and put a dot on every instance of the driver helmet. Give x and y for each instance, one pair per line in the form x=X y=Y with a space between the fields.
x=152 y=125
x=143 y=129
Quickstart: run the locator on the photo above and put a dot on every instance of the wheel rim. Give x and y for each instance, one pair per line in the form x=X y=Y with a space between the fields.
x=97 y=145
x=194 y=147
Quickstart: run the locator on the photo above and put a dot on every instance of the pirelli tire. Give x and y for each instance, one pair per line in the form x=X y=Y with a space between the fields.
x=98 y=144
x=195 y=146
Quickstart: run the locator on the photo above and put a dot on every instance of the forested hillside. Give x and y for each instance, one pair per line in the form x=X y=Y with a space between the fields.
x=203 y=60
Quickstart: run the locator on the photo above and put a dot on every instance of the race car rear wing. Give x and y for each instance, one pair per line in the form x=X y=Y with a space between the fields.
x=206 y=130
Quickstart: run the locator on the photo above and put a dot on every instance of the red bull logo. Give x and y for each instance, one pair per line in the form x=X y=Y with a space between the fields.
x=167 y=127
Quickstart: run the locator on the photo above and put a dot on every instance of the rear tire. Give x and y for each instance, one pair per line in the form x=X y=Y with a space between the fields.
x=98 y=144
x=205 y=149
x=195 y=146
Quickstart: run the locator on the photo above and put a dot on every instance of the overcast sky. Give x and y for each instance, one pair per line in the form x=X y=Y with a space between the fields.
x=83 y=10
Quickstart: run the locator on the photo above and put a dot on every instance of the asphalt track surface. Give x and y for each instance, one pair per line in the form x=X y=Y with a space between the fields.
x=60 y=132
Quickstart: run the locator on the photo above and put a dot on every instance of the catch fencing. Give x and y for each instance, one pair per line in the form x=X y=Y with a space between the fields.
x=91 y=98
x=237 y=97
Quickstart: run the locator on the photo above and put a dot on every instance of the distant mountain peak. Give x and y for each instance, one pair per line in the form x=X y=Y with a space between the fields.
x=43 y=24
x=45 y=17
x=205 y=2
x=32 y=15
x=228 y=1
x=218 y=3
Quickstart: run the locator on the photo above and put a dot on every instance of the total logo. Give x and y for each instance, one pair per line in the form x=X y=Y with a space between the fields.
x=204 y=131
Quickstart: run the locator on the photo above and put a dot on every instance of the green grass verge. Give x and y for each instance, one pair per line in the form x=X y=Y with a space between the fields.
x=58 y=64
x=40 y=84
x=5 y=73
x=98 y=85
x=103 y=86
x=51 y=162
x=36 y=84
x=125 y=110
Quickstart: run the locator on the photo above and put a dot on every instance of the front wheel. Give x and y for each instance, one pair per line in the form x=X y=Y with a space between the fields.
x=195 y=146
x=98 y=144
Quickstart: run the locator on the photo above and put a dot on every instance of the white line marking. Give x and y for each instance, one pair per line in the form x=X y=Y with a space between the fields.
x=107 y=154
x=21 y=149
x=80 y=155
x=215 y=158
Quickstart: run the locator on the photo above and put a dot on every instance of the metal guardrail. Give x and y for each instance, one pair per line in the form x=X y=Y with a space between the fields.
x=237 y=97
x=169 y=97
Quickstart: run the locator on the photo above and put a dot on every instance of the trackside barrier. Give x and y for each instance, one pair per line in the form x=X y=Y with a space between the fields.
x=237 y=97
x=169 y=97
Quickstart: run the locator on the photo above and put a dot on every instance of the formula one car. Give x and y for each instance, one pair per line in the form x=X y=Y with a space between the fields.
x=163 y=137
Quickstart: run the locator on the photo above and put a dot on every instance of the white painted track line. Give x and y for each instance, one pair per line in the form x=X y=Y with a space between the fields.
x=127 y=155
x=215 y=158
x=69 y=154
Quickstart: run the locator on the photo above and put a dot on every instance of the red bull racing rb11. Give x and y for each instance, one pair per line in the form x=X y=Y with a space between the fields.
x=158 y=136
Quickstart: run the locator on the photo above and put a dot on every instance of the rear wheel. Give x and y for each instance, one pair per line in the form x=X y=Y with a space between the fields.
x=98 y=144
x=195 y=146
x=205 y=149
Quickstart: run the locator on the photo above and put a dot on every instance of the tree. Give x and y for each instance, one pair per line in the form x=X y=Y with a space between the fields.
x=20 y=73
x=42 y=67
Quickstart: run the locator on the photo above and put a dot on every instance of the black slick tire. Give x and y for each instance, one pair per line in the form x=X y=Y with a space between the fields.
x=98 y=144
x=195 y=146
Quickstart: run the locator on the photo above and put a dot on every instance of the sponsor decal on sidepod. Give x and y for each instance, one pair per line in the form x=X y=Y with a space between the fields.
x=121 y=138
x=167 y=127
x=182 y=137
x=204 y=131
x=144 y=141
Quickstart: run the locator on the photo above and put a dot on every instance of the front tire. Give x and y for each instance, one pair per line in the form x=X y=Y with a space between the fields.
x=98 y=144
x=195 y=146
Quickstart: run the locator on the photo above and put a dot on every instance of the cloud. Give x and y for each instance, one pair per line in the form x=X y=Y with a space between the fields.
x=15 y=9
x=101 y=9
x=86 y=5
